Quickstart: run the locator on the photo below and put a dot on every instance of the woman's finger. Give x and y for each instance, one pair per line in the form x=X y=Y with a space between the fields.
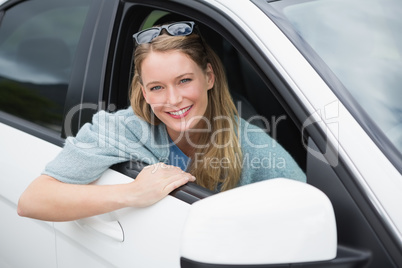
x=176 y=181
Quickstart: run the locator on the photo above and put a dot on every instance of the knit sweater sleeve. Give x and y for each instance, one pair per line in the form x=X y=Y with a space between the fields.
x=109 y=139
x=264 y=158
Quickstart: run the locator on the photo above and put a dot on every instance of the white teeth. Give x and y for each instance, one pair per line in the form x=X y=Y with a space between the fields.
x=181 y=111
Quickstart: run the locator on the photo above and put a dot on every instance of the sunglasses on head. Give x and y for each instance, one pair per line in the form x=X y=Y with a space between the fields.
x=181 y=28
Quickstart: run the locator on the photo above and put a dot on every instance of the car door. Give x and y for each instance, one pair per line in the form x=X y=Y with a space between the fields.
x=38 y=41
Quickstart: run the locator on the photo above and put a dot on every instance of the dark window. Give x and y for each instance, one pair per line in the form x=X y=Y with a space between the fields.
x=38 y=41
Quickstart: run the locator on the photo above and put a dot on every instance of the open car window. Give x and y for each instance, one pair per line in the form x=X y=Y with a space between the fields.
x=252 y=96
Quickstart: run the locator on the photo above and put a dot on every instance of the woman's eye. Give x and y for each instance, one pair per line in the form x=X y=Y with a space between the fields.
x=185 y=80
x=155 y=88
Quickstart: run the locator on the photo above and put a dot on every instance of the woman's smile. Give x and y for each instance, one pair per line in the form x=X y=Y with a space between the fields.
x=178 y=114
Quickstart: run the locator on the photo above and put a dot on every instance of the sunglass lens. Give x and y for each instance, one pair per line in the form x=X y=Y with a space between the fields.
x=147 y=36
x=180 y=29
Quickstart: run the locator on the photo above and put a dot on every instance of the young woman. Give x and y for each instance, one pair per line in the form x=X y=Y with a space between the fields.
x=182 y=122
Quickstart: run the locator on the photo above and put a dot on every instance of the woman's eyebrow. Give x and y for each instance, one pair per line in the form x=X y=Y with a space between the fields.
x=185 y=74
x=152 y=82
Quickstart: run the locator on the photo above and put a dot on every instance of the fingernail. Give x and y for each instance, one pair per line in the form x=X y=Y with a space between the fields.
x=193 y=178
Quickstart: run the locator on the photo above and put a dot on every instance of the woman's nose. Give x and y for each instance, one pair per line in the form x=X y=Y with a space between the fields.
x=174 y=97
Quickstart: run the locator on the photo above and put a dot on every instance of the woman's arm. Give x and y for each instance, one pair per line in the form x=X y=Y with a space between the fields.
x=49 y=199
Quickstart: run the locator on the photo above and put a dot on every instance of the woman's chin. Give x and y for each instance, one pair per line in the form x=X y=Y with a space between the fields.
x=180 y=129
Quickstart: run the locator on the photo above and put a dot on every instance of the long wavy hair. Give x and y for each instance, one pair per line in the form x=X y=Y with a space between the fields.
x=218 y=165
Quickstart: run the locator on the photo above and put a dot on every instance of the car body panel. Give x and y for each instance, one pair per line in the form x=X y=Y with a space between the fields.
x=151 y=235
x=28 y=157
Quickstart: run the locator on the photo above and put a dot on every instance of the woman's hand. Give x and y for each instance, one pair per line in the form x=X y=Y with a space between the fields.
x=155 y=182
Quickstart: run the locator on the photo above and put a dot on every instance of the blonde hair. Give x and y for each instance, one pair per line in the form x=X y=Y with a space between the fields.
x=221 y=112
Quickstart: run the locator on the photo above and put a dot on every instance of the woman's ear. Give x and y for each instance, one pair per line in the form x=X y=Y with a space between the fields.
x=210 y=76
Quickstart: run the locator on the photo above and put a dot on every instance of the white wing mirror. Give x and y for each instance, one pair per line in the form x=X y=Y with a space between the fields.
x=277 y=221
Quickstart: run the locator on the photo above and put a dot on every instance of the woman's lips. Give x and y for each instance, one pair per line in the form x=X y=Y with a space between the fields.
x=180 y=113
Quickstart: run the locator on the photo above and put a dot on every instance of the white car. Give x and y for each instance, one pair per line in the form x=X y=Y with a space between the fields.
x=322 y=76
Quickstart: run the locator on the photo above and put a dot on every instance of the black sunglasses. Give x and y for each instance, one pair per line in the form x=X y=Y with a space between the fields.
x=181 y=28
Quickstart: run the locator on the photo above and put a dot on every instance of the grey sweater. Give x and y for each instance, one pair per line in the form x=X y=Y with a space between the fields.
x=113 y=138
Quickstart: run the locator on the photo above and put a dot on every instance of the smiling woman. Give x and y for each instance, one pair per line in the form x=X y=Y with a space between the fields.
x=204 y=94
x=179 y=81
x=182 y=122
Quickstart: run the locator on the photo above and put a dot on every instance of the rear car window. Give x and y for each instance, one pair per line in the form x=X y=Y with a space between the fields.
x=38 y=41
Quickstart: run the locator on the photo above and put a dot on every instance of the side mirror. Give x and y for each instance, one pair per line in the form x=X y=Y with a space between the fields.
x=277 y=221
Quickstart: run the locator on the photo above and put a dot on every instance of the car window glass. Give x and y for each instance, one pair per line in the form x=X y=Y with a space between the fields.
x=38 y=40
x=361 y=43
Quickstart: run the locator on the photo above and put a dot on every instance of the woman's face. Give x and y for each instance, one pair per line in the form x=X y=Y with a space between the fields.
x=176 y=89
